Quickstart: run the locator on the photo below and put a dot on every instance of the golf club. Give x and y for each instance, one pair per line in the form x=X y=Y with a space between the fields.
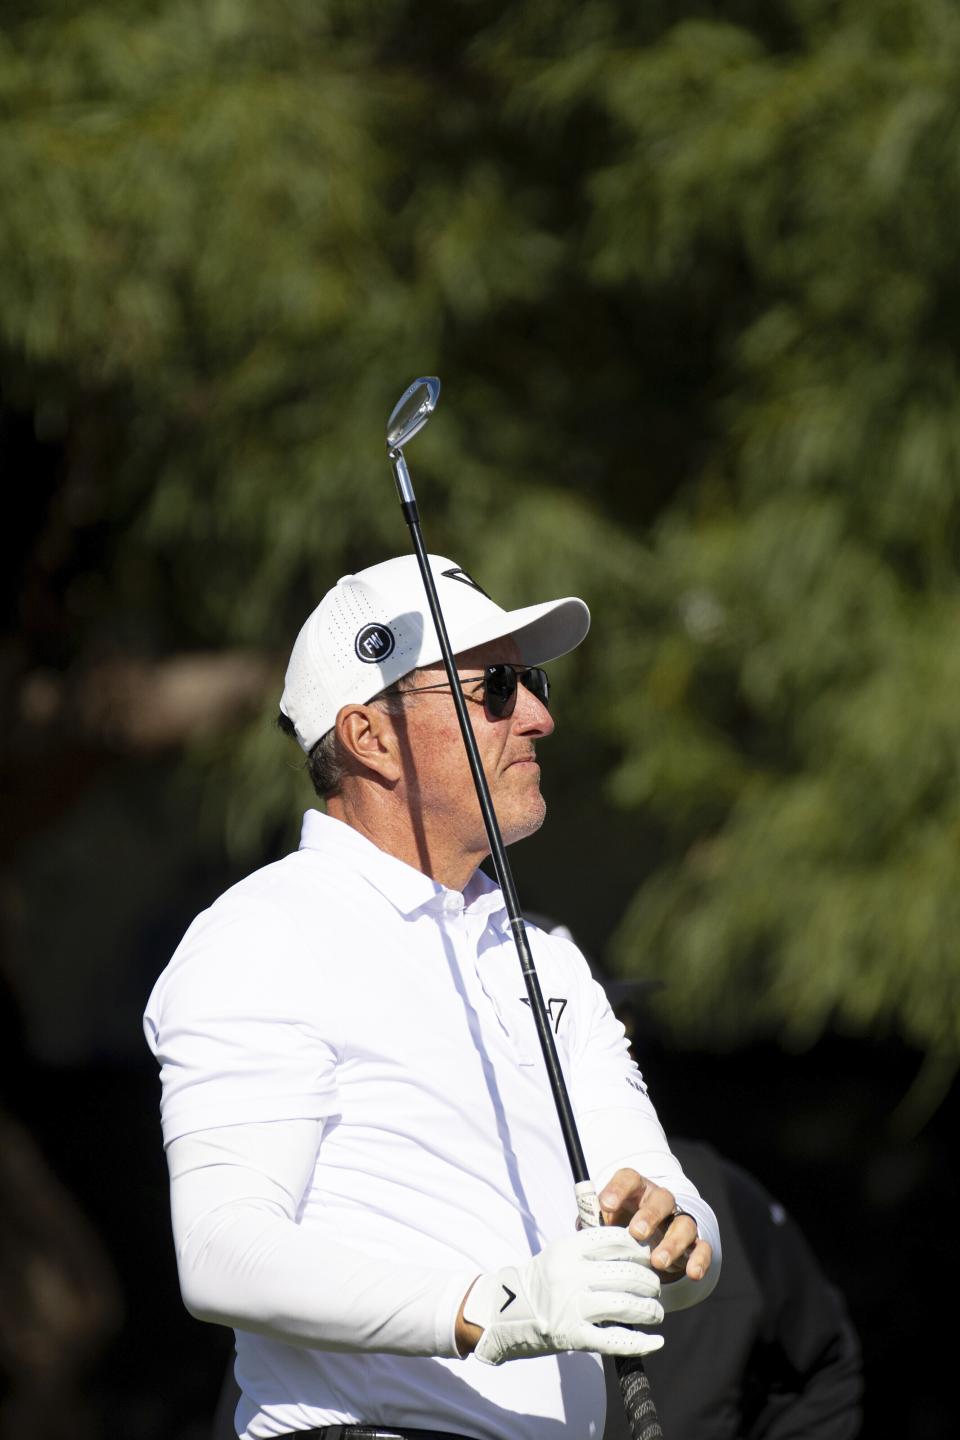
x=407 y=419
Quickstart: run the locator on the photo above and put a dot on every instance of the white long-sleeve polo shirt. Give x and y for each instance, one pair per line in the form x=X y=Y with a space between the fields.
x=358 y=1121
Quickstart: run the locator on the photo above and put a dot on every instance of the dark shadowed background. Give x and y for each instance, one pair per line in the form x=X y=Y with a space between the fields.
x=688 y=273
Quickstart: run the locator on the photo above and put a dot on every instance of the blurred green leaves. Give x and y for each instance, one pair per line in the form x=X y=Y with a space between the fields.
x=690 y=279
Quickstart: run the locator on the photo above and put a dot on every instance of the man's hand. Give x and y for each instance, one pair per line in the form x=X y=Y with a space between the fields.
x=649 y=1213
x=579 y=1293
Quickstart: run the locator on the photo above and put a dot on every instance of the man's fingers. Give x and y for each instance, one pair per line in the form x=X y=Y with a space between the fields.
x=618 y=1198
x=699 y=1260
x=636 y=1203
x=653 y=1214
x=615 y=1340
x=676 y=1235
x=617 y=1308
x=631 y=1275
x=648 y=1213
x=692 y=1260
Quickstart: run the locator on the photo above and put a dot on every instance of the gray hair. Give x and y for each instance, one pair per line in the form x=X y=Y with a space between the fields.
x=326 y=764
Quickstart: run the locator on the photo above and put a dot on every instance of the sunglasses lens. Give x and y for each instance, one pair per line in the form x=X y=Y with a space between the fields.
x=500 y=688
x=537 y=683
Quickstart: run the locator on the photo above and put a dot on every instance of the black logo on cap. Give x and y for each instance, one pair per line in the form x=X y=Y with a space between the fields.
x=457 y=574
x=374 y=643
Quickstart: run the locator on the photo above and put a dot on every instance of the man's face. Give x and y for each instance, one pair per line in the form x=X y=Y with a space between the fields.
x=436 y=770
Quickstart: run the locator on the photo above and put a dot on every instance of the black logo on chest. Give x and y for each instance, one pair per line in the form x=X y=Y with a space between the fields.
x=556 y=1006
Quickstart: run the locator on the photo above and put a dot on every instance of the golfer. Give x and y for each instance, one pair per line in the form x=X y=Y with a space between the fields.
x=368 y=1181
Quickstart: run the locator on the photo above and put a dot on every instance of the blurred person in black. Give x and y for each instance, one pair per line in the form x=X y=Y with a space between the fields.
x=776 y=1354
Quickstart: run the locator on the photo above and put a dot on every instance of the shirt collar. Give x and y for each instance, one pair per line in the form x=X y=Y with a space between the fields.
x=406 y=888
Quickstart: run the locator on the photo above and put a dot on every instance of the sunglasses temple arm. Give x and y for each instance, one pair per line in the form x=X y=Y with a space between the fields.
x=587 y=1203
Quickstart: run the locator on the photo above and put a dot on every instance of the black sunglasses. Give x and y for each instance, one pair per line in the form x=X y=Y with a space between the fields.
x=499 y=688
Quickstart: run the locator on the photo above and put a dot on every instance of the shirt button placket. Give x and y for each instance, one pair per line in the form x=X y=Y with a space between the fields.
x=486 y=967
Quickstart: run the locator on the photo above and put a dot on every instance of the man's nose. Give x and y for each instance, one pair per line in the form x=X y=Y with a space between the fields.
x=531 y=716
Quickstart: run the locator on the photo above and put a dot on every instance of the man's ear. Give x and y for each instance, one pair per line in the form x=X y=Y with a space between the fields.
x=367 y=735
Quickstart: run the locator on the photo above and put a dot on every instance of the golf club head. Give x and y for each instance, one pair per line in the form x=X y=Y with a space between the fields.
x=412 y=411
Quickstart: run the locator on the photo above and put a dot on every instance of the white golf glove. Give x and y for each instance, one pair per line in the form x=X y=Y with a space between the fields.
x=580 y=1293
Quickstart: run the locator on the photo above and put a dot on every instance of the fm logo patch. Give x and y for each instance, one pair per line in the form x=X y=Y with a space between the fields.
x=374 y=643
x=457 y=574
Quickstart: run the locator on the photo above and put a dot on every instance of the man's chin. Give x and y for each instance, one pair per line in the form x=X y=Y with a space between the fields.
x=525 y=822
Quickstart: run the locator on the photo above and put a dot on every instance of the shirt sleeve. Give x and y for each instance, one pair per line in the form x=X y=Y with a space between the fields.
x=244 y=1261
x=238 y=1025
x=619 y=1126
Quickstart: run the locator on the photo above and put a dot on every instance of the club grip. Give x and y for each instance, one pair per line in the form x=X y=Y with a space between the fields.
x=635 y=1392
x=637 y=1398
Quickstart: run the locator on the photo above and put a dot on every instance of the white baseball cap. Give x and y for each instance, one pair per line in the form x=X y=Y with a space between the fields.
x=375 y=626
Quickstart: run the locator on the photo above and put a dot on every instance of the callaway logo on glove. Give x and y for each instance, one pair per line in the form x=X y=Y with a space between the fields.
x=580 y=1293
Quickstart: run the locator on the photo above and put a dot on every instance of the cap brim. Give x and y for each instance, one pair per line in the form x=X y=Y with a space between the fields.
x=542 y=632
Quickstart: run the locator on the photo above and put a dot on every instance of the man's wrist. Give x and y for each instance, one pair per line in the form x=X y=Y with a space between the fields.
x=466 y=1334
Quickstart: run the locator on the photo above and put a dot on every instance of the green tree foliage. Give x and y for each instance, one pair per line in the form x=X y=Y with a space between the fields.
x=689 y=275
x=803 y=647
